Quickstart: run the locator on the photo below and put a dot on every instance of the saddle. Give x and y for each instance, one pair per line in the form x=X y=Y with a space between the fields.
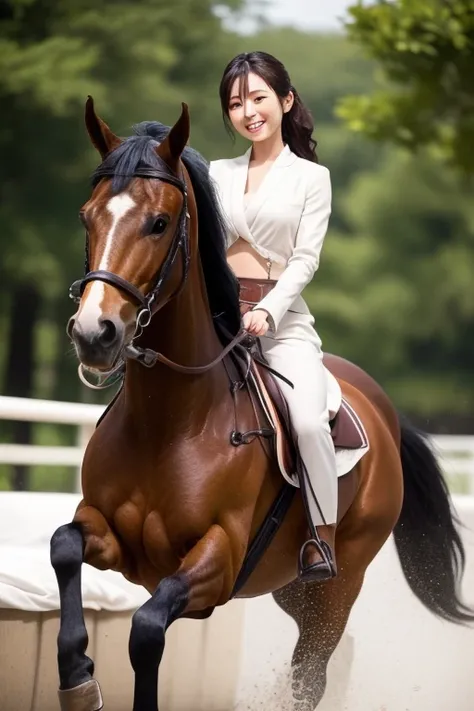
x=346 y=428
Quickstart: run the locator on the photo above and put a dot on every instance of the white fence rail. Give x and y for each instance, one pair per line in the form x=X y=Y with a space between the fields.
x=82 y=415
x=456 y=453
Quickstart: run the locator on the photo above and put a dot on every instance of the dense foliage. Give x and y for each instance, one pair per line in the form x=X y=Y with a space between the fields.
x=394 y=289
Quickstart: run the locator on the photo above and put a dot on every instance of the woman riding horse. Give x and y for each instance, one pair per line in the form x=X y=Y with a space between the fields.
x=168 y=500
x=278 y=201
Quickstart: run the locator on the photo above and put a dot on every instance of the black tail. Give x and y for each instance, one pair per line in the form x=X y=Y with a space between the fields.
x=426 y=536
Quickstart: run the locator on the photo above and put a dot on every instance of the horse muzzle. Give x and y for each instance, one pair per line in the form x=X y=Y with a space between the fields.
x=98 y=346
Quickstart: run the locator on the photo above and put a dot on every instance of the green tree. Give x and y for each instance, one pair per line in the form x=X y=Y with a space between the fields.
x=139 y=59
x=425 y=51
x=396 y=294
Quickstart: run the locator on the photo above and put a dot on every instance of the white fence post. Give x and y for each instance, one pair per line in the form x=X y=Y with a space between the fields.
x=456 y=457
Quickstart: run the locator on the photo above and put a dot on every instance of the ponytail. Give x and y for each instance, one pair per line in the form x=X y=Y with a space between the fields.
x=297 y=130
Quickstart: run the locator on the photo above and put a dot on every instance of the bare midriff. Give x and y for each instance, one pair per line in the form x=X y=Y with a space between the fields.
x=245 y=262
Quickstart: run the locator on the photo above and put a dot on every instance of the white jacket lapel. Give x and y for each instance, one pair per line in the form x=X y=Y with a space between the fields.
x=269 y=185
x=271 y=182
x=239 y=180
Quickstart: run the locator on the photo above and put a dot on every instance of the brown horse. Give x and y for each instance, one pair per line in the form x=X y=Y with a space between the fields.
x=168 y=501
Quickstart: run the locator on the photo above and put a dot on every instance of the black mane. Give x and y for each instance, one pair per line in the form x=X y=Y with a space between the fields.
x=139 y=152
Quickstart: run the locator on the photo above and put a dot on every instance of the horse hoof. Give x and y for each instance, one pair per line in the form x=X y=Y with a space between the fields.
x=85 y=697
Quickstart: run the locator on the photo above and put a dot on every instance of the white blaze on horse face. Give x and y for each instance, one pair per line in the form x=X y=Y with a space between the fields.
x=91 y=308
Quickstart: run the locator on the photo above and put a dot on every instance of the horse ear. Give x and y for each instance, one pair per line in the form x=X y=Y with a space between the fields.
x=100 y=134
x=175 y=142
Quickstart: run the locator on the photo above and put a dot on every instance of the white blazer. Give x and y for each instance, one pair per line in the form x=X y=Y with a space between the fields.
x=285 y=221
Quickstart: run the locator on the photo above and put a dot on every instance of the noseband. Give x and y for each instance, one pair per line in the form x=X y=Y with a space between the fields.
x=179 y=243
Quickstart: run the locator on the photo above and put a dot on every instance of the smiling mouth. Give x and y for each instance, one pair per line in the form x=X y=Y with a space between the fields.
x=252 y=127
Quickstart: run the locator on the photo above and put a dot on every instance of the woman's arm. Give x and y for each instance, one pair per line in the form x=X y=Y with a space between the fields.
x=304 y=260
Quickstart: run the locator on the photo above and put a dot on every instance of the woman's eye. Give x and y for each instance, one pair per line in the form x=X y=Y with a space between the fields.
x=234 y=106
x=160 y=225
x=259 y=99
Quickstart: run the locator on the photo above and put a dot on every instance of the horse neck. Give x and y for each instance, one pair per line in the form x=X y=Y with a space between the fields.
x=184 y=332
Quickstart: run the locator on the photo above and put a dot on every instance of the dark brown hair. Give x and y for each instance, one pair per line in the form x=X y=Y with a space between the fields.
x=297 y=125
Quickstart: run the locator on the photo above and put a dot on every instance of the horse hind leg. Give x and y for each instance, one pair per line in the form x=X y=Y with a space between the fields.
x=78 y=690
x=321 y=611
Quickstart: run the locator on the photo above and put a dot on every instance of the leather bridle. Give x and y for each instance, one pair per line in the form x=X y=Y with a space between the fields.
x=148 y=302
x=179 y=243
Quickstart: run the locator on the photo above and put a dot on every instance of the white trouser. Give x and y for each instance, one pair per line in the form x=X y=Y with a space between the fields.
x=301 y=362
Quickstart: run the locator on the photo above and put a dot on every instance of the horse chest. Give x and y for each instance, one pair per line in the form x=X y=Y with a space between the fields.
x=160 y=497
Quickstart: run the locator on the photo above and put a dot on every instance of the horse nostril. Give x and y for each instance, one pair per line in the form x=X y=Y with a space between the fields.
x=108 y=332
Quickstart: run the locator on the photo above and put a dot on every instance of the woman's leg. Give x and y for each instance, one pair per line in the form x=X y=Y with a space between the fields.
x=301 y=362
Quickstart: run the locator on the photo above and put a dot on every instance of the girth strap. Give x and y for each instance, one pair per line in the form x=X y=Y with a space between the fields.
x=265 y=535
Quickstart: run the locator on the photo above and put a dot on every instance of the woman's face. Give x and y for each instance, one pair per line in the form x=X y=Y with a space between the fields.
x=258 y=116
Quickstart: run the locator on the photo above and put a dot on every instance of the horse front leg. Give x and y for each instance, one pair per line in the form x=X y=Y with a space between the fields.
x=204 y=579
x=89 y=539
x=78 y=691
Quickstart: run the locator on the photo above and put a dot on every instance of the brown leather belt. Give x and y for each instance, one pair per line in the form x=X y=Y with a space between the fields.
x=252 y=291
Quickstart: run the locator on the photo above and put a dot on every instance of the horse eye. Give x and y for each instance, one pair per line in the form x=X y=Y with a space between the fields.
x=160 y=225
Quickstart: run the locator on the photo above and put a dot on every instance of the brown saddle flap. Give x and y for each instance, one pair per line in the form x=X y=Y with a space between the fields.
x=346 y=429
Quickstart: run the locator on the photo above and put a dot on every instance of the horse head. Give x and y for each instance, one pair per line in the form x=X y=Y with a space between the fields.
x=137 y=239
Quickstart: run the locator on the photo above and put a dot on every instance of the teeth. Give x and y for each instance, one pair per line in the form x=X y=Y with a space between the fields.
x=256 y=125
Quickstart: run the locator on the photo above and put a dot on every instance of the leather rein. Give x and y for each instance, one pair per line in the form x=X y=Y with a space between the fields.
x=180 y=243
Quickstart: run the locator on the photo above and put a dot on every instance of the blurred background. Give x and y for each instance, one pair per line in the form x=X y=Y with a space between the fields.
x=390 y=88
